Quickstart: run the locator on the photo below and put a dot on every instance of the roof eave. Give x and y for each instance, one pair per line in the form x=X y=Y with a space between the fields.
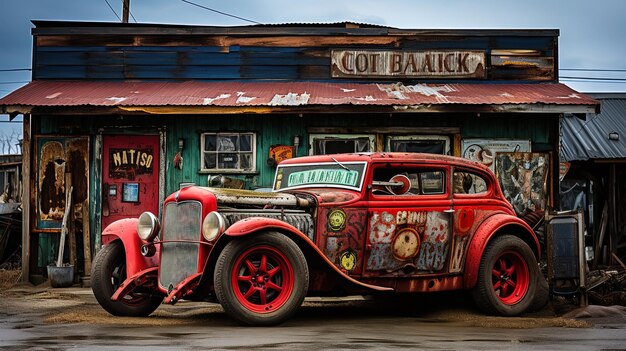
x=196 y=110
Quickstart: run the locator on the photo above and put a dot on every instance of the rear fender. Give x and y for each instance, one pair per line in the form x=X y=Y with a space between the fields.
x=125 y=230
x=253 y=225
x=495 y=225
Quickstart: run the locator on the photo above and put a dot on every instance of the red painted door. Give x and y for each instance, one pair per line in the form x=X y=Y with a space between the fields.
x=130 y=181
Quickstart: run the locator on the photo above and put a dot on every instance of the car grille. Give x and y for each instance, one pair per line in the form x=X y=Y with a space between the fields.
x=181 y=221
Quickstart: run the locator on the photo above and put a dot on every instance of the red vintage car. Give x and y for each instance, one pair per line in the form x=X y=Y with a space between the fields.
x=369 y=223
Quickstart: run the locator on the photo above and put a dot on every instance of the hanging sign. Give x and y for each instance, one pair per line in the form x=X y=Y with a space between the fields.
x=409 y=64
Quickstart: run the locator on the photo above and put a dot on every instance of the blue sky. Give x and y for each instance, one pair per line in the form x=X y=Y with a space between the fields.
x=592 y=32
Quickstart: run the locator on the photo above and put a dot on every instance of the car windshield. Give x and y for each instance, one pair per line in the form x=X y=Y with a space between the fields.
x=348 y=175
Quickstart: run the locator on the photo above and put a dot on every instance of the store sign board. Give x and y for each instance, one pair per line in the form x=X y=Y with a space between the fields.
x=409 y=64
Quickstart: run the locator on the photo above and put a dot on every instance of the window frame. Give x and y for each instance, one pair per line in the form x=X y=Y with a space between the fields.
x=204 y=152
x=418 y=169
x=489 y=185
x=358 y=188
x=419 y=137
x=331 y=136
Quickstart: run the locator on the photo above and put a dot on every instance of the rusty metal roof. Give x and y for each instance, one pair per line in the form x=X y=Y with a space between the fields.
x=589 y=138
x=419 y=97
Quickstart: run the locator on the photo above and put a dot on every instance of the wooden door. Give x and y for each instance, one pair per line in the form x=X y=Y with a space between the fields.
x=130 y=180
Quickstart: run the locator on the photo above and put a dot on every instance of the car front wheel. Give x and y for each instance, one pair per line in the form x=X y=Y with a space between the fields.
x=261 y=279
x=107 y=274
x=507 y=277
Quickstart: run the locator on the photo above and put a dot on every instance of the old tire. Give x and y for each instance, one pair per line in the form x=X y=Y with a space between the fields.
x=542 y=294
x=261 y=279
x=507 y=277
x=108 y=272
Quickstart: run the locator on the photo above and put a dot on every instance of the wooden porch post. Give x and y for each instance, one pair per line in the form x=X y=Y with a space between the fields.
x=27 y=196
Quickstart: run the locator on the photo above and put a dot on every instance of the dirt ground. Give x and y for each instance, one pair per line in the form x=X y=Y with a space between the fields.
x=77 y=305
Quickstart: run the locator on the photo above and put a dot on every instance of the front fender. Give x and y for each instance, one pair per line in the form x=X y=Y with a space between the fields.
x=125 y=230
x=252 y=225
x=492 y=226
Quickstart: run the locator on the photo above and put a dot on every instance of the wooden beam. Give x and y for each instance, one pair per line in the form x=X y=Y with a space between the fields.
x=86 y=237
x=26 y=196
x=322 y=109
x=456 y=145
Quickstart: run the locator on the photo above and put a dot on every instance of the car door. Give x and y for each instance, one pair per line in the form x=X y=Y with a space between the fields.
x=473 y=200
x=409 y=227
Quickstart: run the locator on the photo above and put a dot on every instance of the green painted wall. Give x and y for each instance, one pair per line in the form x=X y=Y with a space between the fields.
x=270 y=130
x=280 y=129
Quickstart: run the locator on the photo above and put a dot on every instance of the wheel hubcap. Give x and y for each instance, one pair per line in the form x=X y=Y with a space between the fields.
x=262 y=279
x=510 y=277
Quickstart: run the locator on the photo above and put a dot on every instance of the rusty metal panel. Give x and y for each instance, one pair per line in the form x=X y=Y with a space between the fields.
x=341 y=236
x=408 y=64
x=288 y=94
x=58 y=157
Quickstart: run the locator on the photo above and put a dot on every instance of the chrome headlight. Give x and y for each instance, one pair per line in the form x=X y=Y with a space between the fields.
x=148 y=226
x=213 y=225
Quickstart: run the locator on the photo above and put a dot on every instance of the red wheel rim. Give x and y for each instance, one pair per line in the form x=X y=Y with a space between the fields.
x=263 y=279
x=510 y=277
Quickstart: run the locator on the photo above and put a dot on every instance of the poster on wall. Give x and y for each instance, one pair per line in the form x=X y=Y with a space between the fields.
x=484 y=150
x=523 y=176
x=56 y=157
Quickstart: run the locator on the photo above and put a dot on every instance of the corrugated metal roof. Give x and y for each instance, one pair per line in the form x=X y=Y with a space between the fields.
x=589 y=139
x=288 y=94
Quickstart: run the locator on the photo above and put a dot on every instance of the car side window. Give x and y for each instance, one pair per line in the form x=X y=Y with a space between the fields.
x=432 y=182
x=465 y=182
x=408 y=181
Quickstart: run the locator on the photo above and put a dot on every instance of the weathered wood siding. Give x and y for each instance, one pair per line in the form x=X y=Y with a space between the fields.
x=280 y=130
x=277 y=57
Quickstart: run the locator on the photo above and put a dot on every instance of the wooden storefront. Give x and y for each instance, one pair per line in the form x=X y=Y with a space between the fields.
x=132 y=111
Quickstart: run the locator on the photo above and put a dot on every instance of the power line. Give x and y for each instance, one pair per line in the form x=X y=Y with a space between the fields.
x=592 y=70
x=596 y=78
x=131 y=15
x=220 y=12
x=111 y=7
x=15 y=69
x=590 y=81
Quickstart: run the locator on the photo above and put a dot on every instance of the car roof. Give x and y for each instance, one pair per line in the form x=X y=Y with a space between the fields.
x=387 y=157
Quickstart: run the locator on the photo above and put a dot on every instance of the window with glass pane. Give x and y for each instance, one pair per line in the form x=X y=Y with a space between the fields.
x=469 y=183
x=430 y=144
x=325 y=146
x=228 y=151
x=432 y=182
x=424 y=146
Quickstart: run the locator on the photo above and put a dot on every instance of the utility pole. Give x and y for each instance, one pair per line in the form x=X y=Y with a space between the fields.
x=125 y=11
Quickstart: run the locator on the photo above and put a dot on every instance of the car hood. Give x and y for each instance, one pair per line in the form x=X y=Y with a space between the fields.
x=250 y=197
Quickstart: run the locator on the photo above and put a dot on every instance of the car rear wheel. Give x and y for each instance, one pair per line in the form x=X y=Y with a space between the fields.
x=261 y=279
x=507 y=277
x=107 y=274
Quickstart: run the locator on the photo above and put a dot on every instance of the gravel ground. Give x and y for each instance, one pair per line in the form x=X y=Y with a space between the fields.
x=77 y=305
